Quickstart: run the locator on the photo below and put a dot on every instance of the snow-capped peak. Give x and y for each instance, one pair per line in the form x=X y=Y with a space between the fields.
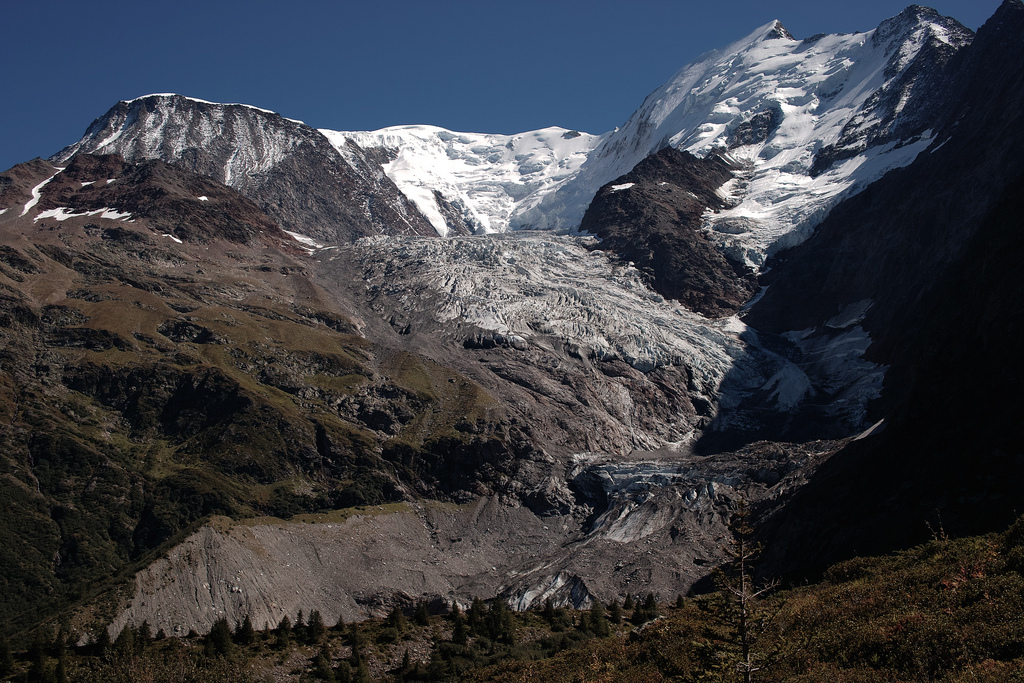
x=775 y=103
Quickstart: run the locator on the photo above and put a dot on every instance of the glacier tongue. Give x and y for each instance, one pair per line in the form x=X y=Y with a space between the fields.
x=538 y=294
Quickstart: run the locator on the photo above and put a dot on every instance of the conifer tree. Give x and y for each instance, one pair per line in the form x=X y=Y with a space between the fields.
x=126 y=643
x=219 y=640
x=284 y=632
x=322 y=664
x=475 y=615
x=6 y=657
x=103 y=642
x=245 y=634
x=396 y=618
x=343 y=672
x=598 y=622
x=460 y=632
x=144 y=633
x=499 y=624
x=315 y=629
x=422 y=615
x=737 y=585
x=614 y=612
x=60 y=674
x=362 y=673
x=549 y=612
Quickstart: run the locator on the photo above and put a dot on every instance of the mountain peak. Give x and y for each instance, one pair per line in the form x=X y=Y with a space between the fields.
x=775 y=30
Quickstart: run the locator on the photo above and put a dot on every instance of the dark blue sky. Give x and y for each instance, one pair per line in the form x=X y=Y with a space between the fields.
x=480 y=66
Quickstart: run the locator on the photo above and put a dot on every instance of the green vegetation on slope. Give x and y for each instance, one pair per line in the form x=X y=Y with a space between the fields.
x=143 y=390
x=949 y=610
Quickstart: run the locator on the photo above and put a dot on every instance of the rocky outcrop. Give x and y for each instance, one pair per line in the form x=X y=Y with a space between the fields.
x=653 y=216
x=289 y=169
x=647 y=524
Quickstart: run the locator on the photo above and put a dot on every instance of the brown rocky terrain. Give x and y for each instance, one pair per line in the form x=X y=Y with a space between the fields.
x=170 y=354
x=653 y=216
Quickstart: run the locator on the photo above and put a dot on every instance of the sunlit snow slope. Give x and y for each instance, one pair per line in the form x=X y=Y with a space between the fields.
x=487 y=177
x=785 y=109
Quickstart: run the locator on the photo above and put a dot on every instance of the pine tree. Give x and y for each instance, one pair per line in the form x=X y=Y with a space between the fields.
x=396 y=619
x=475 y=615
x=737 y=585
x=614 y=612
x=60 y=674
x=499 y=624
x=245 y=634
x=6 y=657
x=647 y=611
x=219 y=640
x=598 y=620
x=549 y=612
x=103 y=642
x=284 y=632
x=362 y=674
x=343 y=672
x=322 y=664
x=315 y=630
x=126 y=643
x=628 y=604
x=37 y=656
x=460 y=633
x=144 y=633
x=422 y=615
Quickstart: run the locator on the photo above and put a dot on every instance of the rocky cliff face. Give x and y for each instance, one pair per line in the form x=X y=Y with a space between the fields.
x=654 y=215
x=289 y=169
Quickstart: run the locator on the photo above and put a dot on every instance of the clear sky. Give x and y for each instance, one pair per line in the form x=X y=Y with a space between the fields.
x=466 y=65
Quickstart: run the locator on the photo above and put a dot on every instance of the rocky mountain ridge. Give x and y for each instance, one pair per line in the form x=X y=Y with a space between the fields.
x=345 y=194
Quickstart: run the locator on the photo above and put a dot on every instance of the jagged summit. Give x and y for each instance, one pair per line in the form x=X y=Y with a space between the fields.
x=777 y=30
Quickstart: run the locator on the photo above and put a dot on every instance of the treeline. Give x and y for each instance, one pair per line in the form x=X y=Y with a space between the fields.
x=949 y=610
x=406 y=645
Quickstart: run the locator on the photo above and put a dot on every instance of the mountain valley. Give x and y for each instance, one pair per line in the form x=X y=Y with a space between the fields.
x=250 y=367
